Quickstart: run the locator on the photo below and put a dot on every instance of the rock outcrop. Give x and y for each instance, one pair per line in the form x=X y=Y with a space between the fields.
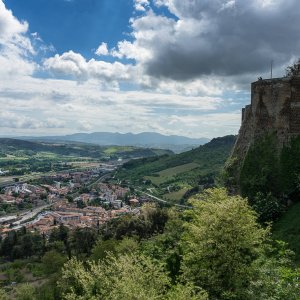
x=274 y=109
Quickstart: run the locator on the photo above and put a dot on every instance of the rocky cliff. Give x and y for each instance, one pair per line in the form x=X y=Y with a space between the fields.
x=274 y=109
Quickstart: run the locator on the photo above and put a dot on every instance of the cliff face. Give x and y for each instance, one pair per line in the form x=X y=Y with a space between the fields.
x=274 y=109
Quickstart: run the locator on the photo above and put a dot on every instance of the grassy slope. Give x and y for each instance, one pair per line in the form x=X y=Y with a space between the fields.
x=185 y=170
x=288 y=229
x=210 y=157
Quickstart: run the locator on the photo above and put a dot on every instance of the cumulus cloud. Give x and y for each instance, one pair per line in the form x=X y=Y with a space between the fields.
x=75 y=65
x=141 y=5
x=225 y=41
x=15 y=46
x=214 y=37
x=102 y=49
x=231 y=38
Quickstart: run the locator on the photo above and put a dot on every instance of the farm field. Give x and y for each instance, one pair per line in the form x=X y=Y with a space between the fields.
x=170 y=173
x=176 y=196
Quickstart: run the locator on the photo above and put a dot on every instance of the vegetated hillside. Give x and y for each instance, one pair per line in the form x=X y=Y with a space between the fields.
x=28 y=148
x=172 y=176
x=144 y=140
x=18 y=157
x=287 y=228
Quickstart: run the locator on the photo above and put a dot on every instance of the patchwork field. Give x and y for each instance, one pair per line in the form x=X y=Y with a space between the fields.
x=170 y=173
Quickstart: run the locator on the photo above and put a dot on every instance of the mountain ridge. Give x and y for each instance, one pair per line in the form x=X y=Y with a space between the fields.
x=175 y=143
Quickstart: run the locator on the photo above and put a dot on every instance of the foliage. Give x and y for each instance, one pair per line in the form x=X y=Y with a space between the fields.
x=21 y=244
x=290 y=168
x=287 y=229
x=294 y=69
x=186 y=292
x=151 y=220
x=268 y=178
x=268 y=207
x=260 y=170
x=275 y=277
x=25 y=292
x=82 y=240
x=3 y=295
x=166 y=247
x=53 y=262
x=104 y=248
x=127 y=277
x=221 y=242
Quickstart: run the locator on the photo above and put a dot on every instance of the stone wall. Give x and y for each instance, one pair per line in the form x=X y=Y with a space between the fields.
x=274 y=108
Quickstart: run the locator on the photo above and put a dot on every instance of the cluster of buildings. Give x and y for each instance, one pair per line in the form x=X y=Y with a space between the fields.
x=18 y=192
x=72 y=217
x=66 y=203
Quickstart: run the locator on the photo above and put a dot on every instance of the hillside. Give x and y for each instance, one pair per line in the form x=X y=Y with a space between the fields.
x=22 y=147
x=19 y=157
x=173 y=176
x=287 y=229
x=145 y=139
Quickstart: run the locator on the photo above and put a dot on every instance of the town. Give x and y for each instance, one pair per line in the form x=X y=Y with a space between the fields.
x=75 y=199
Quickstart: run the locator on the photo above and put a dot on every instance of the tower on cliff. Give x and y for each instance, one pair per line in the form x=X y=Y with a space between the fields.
x=274 y=109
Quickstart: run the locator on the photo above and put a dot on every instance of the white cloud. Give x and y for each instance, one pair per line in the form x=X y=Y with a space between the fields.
x=102 y=49
x=84 y=126
x=14 y=120
x=74 y=65
x=15 y=46
x=37 y=106
x=141 y=5
x=10 y=27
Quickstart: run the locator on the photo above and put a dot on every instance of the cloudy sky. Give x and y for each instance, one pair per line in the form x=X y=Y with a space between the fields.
x=169 y=66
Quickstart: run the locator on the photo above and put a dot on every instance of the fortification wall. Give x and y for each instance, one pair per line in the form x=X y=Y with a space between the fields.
x=274 y=108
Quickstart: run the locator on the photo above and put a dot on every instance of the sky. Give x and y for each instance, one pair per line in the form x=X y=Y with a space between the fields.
x=170 y=66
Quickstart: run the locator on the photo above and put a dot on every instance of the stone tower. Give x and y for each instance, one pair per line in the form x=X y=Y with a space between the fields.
x=274 y=108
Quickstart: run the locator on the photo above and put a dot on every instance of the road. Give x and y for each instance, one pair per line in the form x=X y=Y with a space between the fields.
x=164 y=201
x=31 y=214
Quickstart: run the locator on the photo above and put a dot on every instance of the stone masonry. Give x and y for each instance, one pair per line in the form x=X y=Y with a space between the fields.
x=274 y=108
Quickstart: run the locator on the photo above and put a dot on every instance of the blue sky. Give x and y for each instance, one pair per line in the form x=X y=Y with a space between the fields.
x=170 y=66
x=76 y=25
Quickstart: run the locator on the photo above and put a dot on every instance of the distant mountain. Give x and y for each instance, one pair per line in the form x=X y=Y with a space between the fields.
x=145 y=139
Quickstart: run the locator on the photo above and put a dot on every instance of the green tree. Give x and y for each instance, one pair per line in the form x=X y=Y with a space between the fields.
x=186 y=292
x=104 y=248
x=3 y=295
x=25 y=292
x=220 y=243
x=275 y=276
x=82 y=240
x=127 y=277
x=53 y=261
